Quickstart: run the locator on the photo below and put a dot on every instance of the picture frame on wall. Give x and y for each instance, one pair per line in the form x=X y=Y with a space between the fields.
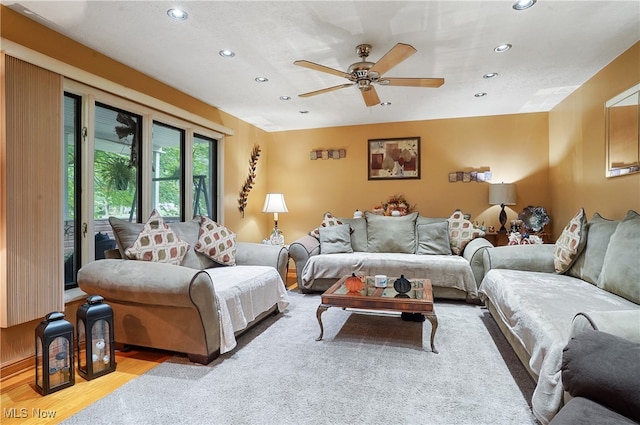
x=390 y=159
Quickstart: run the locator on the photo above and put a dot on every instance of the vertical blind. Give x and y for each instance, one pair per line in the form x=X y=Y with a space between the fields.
x=31 y=279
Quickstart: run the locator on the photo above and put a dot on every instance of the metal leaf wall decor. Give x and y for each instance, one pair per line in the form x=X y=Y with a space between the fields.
x=248 y=184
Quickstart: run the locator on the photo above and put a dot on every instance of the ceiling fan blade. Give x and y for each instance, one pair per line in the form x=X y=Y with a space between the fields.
x=393 y=57
x=321 y=68
x=370 y=97
x=327 y=90
x=412 y=82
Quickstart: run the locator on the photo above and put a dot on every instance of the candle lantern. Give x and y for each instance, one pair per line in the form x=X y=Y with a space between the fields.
x=54 y=354
x=94 y=330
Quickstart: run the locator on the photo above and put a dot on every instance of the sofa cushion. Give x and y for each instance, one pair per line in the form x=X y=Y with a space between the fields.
x=335 y=239
x=589 y=264
x=433 y=238
x=327 y=220
x=189 y=231
x=216 y=242
x=461 y=232
x=157 y=242
x=125 y=233
x=603 y=368
x=570 y=243
x=391 y=234
x=358 y=233
x=621 y=269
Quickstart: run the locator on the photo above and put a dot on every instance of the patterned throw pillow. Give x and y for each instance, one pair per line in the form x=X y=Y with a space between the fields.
x=327 y=220
x=570 y=243
x=216 y=242
x=461 y=232
x=157 y=242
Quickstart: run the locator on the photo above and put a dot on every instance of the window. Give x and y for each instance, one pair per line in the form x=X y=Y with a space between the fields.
x=168 y=180
x=133 y=161
x=71 y=202
x=116 y=158
x=204 y=177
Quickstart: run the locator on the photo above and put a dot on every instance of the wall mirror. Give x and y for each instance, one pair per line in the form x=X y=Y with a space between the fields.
x=623 y=133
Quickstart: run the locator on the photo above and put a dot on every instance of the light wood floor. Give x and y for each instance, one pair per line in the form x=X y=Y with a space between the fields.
x=23 y=404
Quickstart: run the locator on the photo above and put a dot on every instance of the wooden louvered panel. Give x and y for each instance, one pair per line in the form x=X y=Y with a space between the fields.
x=31 y=217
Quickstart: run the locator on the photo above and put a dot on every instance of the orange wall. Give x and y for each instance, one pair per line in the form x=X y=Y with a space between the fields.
x=513 y=147
x=577 y=148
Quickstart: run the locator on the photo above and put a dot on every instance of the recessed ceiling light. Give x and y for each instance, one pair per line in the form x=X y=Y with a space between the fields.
x=285 y=97
x=385 y=104
x=502 y=48
x=177 y=14
x=304 y=112
x=262 y=79
x=480 y=94
x=225 y=53
x=523 y=4
x=490 y=75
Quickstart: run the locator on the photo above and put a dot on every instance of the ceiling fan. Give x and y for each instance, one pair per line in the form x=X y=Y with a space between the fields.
x=364 y=74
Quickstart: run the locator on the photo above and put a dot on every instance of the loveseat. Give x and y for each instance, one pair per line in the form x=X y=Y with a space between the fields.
x=448 y=251
x=540 y=294
x=196 y=305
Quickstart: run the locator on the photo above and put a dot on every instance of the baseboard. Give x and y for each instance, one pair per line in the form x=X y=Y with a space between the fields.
x=9 y=370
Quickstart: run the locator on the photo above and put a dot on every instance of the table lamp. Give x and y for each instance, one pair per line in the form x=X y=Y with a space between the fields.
x=274 y=203
x=502 y=194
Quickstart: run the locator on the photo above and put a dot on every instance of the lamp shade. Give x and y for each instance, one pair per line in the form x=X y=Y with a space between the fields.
x=502 y=193
x=274 y=203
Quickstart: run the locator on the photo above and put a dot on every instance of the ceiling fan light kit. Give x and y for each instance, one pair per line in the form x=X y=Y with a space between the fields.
x=365 y=74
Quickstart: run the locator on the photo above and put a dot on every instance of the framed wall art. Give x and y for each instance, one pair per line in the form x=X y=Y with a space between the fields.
x=394 y=158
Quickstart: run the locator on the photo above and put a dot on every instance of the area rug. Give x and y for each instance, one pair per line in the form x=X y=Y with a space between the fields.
x=368 y=369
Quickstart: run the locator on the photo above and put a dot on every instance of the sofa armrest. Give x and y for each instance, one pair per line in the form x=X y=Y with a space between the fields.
x=301 y=250
x=532 y=258
x=142 y=282
x=622 y=323
x=603 y=368
x=258 y=254
x=473 y=253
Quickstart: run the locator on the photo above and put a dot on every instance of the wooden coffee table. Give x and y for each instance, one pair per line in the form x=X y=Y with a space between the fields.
x=418 y=300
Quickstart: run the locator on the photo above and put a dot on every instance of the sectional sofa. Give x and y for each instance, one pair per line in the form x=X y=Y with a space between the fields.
x=541 y=295
x=448 y=251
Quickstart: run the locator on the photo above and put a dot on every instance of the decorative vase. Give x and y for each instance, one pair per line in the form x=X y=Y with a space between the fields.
x=402 y=285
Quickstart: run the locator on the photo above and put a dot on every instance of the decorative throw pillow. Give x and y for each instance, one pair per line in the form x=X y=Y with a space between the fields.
x=461 y=232
x=157 y=242
x=335 y=239
x=391 y=234
x=570 y=243
x=327 y=220
x=433 y=239
x=620 y=272
x=216 y=242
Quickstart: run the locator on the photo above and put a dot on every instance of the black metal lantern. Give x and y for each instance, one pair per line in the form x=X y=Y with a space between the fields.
x=94 y=330
x=54 y=354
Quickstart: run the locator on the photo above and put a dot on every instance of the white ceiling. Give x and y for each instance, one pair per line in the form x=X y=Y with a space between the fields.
x=557 y=46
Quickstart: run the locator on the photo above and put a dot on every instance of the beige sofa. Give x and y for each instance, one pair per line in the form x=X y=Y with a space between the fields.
x=539 y=310
x=194 y=308
x=411 y=245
